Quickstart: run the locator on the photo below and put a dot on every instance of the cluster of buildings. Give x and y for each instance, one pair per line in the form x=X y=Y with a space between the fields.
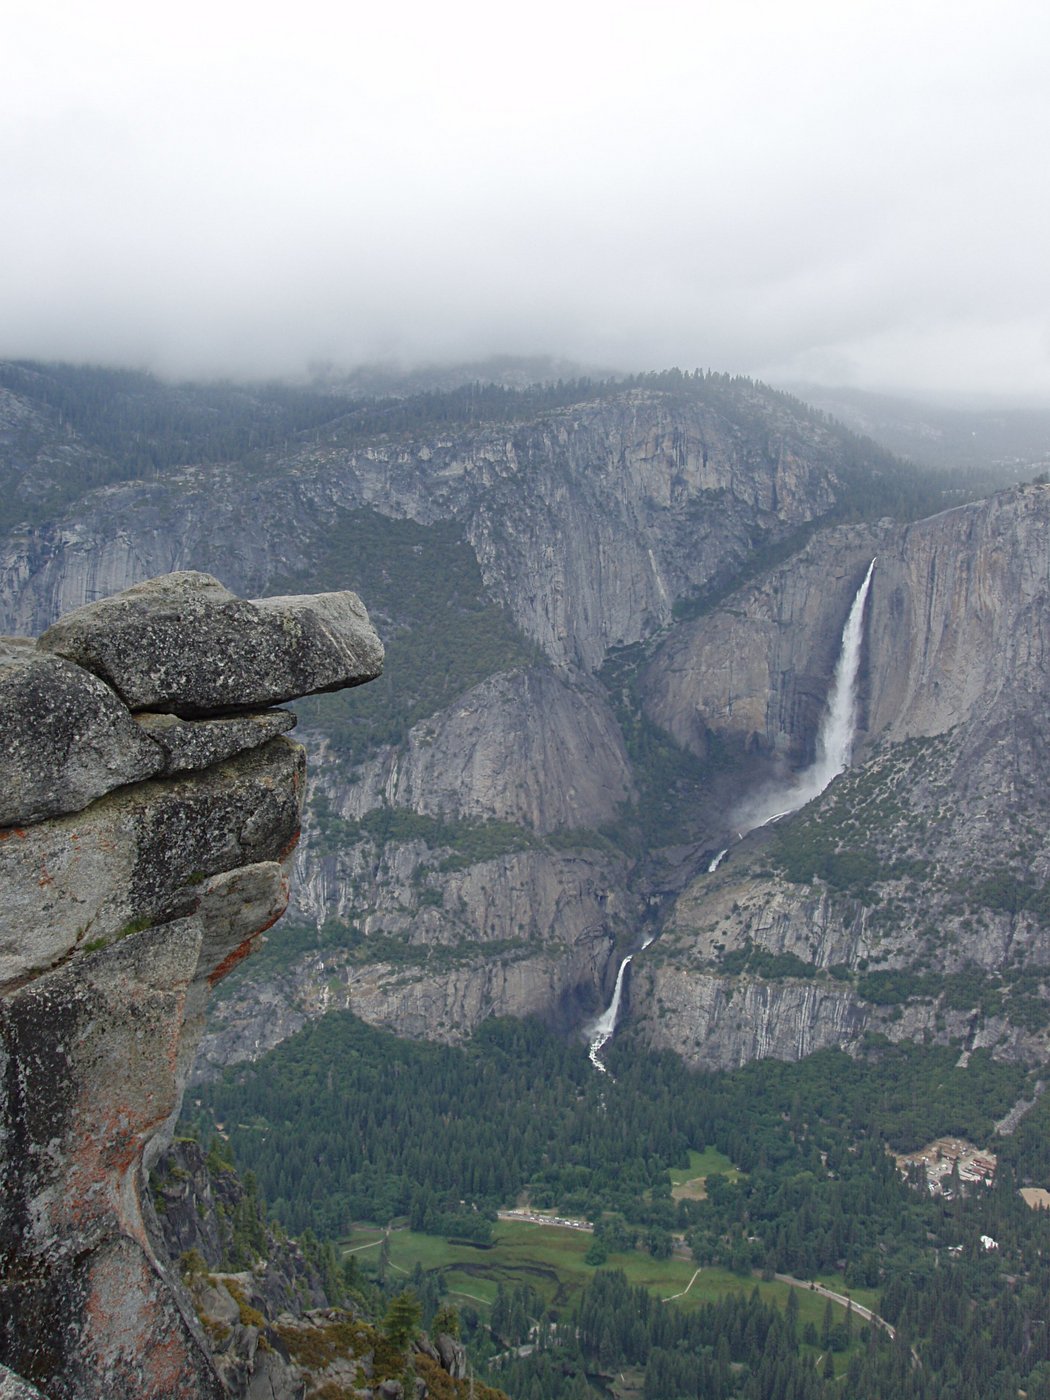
x=947 y=1157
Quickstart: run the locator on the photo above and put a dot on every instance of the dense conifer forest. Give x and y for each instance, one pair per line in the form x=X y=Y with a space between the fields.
x=346 y=1123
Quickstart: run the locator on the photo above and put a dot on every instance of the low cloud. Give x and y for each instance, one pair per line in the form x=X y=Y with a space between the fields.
x=848 y=193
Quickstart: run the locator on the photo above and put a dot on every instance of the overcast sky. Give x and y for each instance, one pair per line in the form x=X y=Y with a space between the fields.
x=851 y=192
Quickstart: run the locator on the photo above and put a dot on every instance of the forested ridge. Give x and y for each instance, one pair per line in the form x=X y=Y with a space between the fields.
x=441 y=632
x=66 y=429
x=344 y=1123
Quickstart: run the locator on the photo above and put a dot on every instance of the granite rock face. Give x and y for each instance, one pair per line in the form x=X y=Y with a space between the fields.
x=524 y=746
x=732 y=1021
x=529 y=933
x=588 y=522
x=123 y=906
x=921 y=874
x=958 y=625
x=754 y=672
x=67 y=737
x=139 y=856
x=189 y=744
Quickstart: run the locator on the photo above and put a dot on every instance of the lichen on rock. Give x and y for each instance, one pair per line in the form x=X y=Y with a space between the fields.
x=67 y=738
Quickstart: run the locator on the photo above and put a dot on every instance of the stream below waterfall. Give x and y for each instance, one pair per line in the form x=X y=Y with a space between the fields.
x=834 y=750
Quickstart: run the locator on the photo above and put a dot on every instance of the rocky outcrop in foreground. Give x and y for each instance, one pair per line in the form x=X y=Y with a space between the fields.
x=266 y=1301
x=150 y=809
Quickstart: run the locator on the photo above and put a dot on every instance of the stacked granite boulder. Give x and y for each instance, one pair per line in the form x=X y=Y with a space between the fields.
x=149 y=808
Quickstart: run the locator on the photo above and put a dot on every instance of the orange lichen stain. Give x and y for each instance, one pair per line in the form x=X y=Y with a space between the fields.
x=166 y=1372
x=104 y=1161
x=231 y=960
x=122 y=1151
x=242 y=950
x=135 y=1342
x=287 y=850
x=8 y=831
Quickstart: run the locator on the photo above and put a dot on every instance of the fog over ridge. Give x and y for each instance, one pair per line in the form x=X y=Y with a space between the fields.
x=837 y=194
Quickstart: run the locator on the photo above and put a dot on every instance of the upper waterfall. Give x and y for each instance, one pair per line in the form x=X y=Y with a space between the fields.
x=837 y=728
x=834 y=747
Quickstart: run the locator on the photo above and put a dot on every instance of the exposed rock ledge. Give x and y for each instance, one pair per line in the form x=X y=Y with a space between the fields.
x=147 y=823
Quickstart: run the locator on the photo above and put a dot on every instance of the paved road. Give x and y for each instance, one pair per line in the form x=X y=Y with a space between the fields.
x=858 y=1308
x=535 y=1218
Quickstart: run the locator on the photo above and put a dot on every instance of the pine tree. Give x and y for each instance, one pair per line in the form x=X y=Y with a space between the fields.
x=446 y=1321
x=402 y=1319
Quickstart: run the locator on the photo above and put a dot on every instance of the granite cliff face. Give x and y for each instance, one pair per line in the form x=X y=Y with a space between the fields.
x=956 y=626
x=959 y=617
x=588 y=522
x=431 y=953
x=754 y=671
x=910 y=898
x=503 y=900
x=584 y=524
x=144 y=855
x=642 y=594
x=522 y=747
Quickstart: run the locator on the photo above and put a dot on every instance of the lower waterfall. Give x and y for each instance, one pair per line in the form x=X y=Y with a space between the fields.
x=603 y=1028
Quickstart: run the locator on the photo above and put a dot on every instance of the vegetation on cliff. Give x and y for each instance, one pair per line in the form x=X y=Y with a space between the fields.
x=442 y=633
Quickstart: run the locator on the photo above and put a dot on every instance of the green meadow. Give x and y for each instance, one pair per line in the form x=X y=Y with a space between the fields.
x=550 y=1259
x=691 y=1181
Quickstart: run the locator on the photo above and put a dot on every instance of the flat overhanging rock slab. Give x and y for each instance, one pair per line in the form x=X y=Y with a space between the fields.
x=149 y=811
x=190 y=744
x=184 y=643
